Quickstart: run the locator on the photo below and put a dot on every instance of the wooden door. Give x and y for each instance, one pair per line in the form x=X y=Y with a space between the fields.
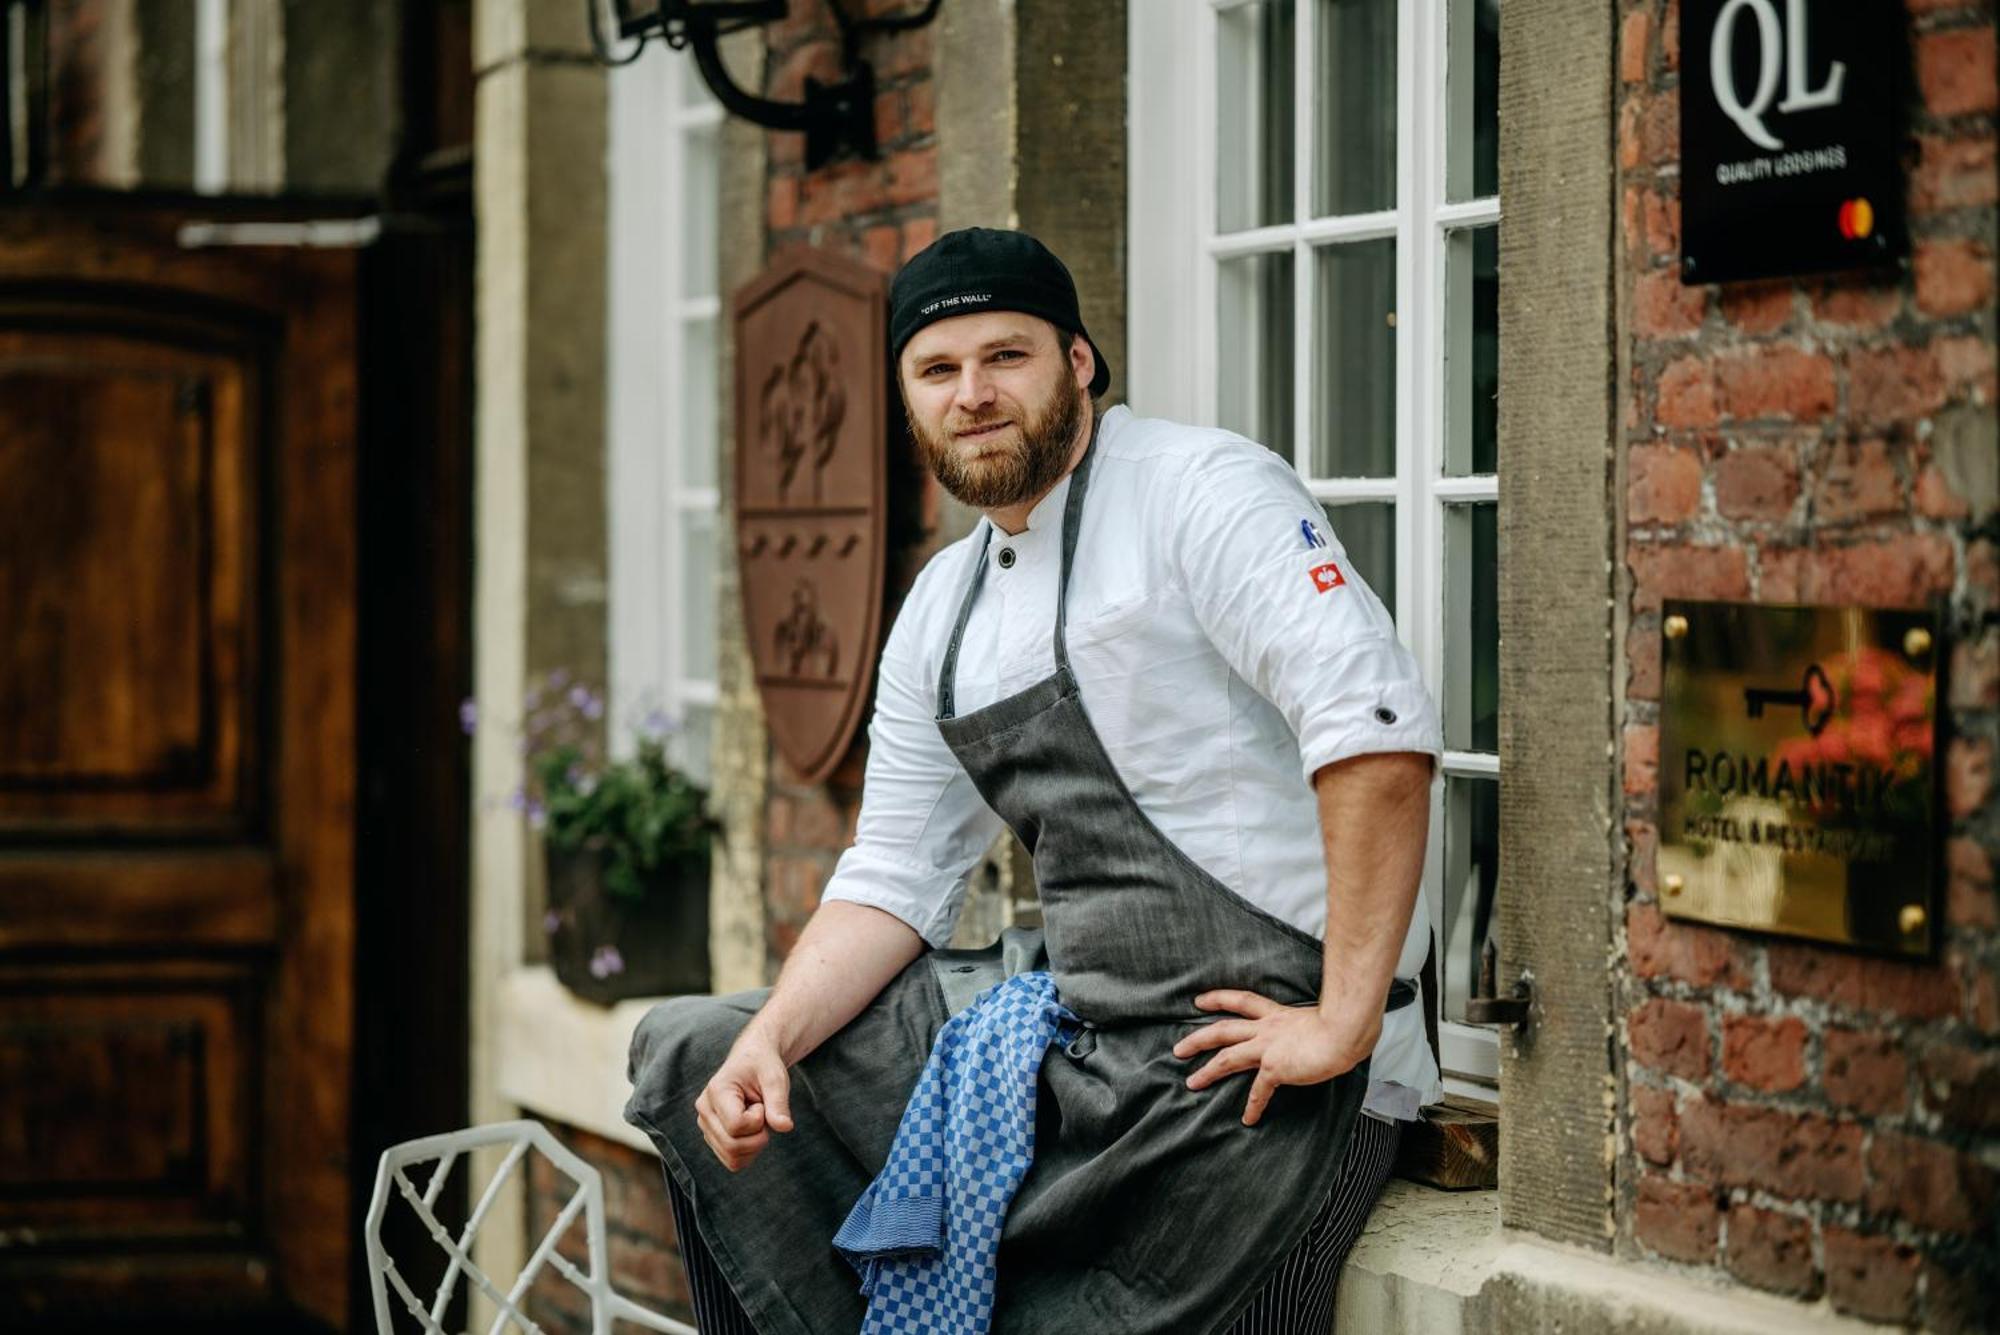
x=177 y=667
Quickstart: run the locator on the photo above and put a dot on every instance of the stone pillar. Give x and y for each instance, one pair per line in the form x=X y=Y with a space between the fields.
x=539 y=565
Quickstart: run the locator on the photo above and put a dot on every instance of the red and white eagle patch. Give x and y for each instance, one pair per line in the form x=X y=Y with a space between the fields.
x=1326 y=578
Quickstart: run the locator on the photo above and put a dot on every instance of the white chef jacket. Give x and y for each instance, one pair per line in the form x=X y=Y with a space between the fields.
x=1224 y=649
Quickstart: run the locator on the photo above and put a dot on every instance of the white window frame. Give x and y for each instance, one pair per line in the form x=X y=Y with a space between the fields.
x=1173 y=356
x=653 y=110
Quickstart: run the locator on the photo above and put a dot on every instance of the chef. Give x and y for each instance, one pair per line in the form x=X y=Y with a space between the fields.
x=1151 y=660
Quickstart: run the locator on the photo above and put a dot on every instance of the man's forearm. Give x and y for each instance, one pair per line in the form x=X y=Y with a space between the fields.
x=1374 y=814
x=847 y=954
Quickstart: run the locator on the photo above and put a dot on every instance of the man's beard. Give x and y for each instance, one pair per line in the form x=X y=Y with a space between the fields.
x=996 y=480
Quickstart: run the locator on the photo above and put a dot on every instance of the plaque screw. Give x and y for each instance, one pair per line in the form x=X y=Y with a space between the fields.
x=1674 y=627
x=1917 y=642
x=1673 y=884
x=1912 y=918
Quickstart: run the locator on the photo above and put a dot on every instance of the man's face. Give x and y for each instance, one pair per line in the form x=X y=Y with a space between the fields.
x=994 y=404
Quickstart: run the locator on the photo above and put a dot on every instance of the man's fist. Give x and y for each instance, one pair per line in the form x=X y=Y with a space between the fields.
x=746 y=1099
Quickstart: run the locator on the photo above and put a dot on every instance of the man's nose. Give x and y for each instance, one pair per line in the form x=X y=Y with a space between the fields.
x=974 y=390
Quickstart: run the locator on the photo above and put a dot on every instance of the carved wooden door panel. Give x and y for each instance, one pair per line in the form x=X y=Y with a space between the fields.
x=177 y=598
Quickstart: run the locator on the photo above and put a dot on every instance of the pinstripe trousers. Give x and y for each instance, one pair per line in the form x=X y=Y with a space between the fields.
x=1296 y=1300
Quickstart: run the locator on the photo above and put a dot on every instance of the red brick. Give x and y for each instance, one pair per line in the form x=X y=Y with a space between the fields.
x=1931 y=1185
x=1679 y=570
x=1869 y=1275
x=901 y=54
x=1954 y=276
x=1758 y=308
x=1864 y=1071
x=1861 y=301
x=1777 y=382
x=793 y=886
x=1859 y=481
x=917 y=234
x=883 y=247
x=1662 y=306
x=921 y=116
x=1953 y=173
x=1757 y=482
x=1982 y=1008
x=1780 y=574
x=1664 y=484
x=913 y=177
x=1687 y=394
x=1677 y=1220
x=888 y=117
x=1771 y=1250
x=1904 y=571
x=1652 y=224
x=1969 y=885
x=1961 y=1085
x=1862 y=983
x=781 y=207
x=1764 y=1053
x=1659 y=947
x=1968 y=776
x=1935 y=497
x=1650 y=128
x=644 y=1270
x=1634 y=37
x=1670 y=37
x=1966 y=366
x=1655 y=1130
x=817 y=60
x=1670 y=1036
x=1642 y=758
x=818 y=822
x=1894 y=384
x=1802 y=1155
x=1955 y=71
x=1642 y=655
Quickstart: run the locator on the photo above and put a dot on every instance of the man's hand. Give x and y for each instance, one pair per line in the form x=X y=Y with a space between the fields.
x=1285 y=1045
x=747 y=1098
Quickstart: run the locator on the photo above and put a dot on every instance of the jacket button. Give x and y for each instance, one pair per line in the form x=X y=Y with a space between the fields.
x=1006 y=558
x=1385 y=715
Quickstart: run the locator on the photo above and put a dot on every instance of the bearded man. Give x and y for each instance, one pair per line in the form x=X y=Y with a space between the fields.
x=1153 y=663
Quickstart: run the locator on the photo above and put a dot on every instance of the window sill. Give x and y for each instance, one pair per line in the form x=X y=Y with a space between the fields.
x=563 y=1058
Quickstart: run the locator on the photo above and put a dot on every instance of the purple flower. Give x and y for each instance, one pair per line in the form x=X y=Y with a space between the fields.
x=657 y=723
x=586 y=702
x=605 y=961
x=517 y=800
x=468 y=715
x=538 y=815
x=558 y=679
x=552 y=922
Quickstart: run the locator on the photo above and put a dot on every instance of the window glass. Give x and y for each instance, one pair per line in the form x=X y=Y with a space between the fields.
x=1472 y=874
x=698 y=430
x=1366 y=531
x=1472 y=628
x=697 y=601
x=1473 y=82
x=1472 y=351
x=1354 y=98
x=697 y=240
x=1254 y=352
x=1254 y=139
x=1354 y=360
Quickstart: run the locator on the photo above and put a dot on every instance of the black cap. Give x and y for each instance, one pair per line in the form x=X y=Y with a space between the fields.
x=984 y=269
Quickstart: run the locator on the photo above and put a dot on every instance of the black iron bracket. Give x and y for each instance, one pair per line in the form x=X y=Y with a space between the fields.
x=1508 y=1012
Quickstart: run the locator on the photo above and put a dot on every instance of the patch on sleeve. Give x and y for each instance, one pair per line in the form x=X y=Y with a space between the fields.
x=1310 y=532
x=1327 y=577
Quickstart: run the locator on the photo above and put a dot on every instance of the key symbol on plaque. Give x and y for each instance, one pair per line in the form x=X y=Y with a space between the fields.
x=1814 y=697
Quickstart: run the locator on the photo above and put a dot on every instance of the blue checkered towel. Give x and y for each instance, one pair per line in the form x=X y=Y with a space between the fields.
x=926 y=1233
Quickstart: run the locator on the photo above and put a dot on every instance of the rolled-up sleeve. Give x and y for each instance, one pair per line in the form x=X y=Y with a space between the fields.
x=923 y=826
x=1292 y=617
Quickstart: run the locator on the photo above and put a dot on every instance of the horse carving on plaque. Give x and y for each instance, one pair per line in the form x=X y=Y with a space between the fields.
x=811 y=420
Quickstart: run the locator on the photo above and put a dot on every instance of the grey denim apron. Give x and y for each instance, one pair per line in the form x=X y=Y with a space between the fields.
x=1149 y=1207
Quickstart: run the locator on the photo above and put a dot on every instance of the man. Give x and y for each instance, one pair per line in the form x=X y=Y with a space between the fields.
x=1152 y=661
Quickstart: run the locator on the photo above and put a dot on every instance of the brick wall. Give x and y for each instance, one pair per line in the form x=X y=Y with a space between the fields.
x=639 y=1226
x=882 y=211
x=1807 y=1120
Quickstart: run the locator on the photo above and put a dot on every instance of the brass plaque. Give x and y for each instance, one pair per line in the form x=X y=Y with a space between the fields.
x=1798 y=775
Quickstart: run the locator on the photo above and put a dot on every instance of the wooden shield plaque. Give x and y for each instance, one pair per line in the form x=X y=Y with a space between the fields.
x=811 y=432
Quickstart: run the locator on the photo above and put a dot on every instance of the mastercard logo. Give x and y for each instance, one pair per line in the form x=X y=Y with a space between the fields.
x=1857 y=219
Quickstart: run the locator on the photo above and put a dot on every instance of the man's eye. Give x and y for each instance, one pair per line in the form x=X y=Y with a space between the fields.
x=932 y=371
x=1009 y=354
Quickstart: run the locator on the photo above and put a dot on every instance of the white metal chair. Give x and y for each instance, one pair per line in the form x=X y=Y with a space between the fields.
x=518 y=1138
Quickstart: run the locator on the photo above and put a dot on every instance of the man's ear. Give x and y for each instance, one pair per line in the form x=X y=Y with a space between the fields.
x=1082 y=361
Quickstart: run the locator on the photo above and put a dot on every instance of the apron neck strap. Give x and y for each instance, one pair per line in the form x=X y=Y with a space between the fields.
x=1079 y=482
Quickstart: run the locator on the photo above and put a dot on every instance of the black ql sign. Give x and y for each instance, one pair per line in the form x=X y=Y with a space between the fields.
x=1791 y=137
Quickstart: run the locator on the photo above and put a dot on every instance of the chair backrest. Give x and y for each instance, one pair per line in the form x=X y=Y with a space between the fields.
x=518 y=1140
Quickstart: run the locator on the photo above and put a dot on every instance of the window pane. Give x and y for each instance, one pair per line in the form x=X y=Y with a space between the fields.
x=1253 y=90
x=1471 y=876
x=1254 y=348
x=696 y=610
x=698 y=439
x=698 y=213
x=1473 y=148
x=1354 y=360
x=1366 y=531
x=1472 y=352
x=689 y=746
x=1354 y=133
x=1472 y=628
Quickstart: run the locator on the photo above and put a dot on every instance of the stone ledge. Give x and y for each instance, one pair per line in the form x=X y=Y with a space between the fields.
x=563 y=1058
x=1438 y=1263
